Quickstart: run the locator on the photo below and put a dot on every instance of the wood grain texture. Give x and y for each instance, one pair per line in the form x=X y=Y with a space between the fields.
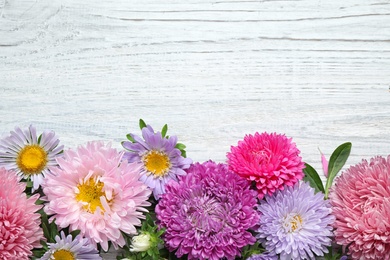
x=318 y=71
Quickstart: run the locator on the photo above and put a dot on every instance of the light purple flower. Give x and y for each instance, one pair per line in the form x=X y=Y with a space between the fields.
x=263 y=256
x=30 y=156
x=208 y=213
x=161 y=161
x=296 y=223
x=68 y=248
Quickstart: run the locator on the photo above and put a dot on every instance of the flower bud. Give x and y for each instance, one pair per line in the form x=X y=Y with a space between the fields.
x=140 y=243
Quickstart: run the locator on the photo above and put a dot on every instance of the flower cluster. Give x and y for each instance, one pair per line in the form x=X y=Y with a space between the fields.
x=147 y=200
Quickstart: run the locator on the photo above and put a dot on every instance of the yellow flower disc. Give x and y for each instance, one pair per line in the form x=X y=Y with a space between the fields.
x=32 y=159
x=63 y=255
x=157 y=163
x=91 y=192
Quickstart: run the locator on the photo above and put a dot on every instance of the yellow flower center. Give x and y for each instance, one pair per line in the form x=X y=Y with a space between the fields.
x=63 y=255
x=157 y=163
x=90 y=192
x=32 y=159
x=293 y=222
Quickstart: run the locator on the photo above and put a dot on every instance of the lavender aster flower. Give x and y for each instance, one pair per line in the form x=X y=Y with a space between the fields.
x=296 y=223
x=263 y=256
x=161 y=161
x=208 y=213
x=31 y=157
x=69 y=248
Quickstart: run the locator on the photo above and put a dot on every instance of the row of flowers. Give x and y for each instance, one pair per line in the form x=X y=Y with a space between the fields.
x=149 y=201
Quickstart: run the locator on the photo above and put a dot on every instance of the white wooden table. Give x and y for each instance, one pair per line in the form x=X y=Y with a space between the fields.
x=318 y=71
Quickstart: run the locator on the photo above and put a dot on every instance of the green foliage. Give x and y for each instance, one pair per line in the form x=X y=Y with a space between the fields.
x=150 y=228
x=164 y=130
x=142 y=124
x=312 y=177
x=336 y=162
x=250 y=250
x=333 y=254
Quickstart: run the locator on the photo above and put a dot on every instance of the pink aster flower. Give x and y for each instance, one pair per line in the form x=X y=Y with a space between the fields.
x=361 y=203
x=208 y=213
x=95 y=192
x=19 y=222
x=270 y=160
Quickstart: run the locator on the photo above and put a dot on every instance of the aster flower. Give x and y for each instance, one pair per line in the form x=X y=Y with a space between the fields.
x=272 y=161
x=94 y=192
x=361 y=203
x=295 y=223
x=19 y=222
x=31 y=157
x=263 y=256
x=160 y=159
x=208 y=213
x=68 y=248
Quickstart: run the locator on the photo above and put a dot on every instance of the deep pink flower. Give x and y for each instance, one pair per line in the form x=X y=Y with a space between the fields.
x=270 y=160
x=19 y=222
x=361 y=203
x=97 y=193
x=208 y=213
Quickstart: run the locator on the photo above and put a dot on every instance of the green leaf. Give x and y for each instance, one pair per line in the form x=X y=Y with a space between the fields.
x=336 y=162
x=164 y=130
x=74 y=233
x=180 y=146
x=130 y=138
x=312 y=177
x=142 y=124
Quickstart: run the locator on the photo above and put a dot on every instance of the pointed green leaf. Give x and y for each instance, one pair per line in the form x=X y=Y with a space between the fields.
x=164 y=130
x=74 y=233
x=142 y=124
x=180 y=146
x=336 y=162
x=312 y=177
x=130 y=138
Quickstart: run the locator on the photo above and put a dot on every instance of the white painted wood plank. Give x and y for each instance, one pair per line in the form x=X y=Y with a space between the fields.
x=318 y=71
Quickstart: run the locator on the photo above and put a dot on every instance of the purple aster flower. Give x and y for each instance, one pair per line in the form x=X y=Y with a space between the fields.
x=161 y=161
x=263 y=256
x=208 y=213
x=69 y=248
x=296 y=223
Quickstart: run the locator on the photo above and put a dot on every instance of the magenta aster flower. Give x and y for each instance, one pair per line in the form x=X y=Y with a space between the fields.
x=208 y=213
x=19 y=222
x=361 y=203
x=272 y=161
x=68 y=248
x=31 y=157
x=295 y=223
x=160 y=160
x=95 y=192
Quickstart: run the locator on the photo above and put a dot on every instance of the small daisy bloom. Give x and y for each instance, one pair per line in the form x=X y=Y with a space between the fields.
x=95 y=192
x=68 y=248
x=160 y=160
x=31 y=157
